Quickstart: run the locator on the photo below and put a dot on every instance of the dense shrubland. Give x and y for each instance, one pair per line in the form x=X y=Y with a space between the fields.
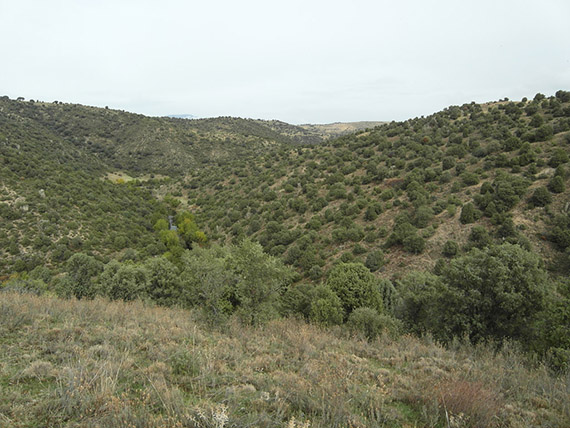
x=453 y=226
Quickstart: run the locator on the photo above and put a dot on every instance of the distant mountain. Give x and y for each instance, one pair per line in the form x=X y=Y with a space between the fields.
x=138 y=143
x=338 y=129
x=182 y=116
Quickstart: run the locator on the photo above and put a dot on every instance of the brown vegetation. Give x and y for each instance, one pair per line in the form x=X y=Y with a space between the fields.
x=109 y=364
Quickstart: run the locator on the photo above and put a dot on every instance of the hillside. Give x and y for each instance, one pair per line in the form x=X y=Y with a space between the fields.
x=338 y=129
x=109 y=364
x=232 y=272
x=392 y=197
x=142 y=144
x=399 y=195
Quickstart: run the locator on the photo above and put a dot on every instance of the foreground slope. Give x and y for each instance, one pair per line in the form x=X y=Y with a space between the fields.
x=107 y=364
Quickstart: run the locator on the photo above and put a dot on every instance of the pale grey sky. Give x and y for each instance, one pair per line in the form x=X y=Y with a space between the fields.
x=310 y=61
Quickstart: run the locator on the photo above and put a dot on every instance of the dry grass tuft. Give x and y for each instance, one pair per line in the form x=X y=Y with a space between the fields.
x=469 y=404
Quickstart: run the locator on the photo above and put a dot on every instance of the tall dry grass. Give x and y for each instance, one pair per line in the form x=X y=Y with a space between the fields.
x=112 y=364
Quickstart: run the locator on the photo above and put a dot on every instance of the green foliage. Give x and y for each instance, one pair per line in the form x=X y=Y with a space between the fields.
x=479 y=237
x=326 y=306
x=422 y=216
x=24 y=285
x=450 y=248
x=414 y=244
x=496 y=292
x=389 y=295
x=124 y=281
x=560 y=232
x=540 y=197
x=356 y=287
x=207 y=282
x=469 y=214
x=366 y=321
x=400 y=233
x=553 y=328
x=502 y=195
x=558 y=158
x=556 y=185
x=374 y=260
x=163 y=284
x=260 y=280
x=160 y=225
x=188 y=229
x=419 y=301
x=469 y=178
x=82 y=271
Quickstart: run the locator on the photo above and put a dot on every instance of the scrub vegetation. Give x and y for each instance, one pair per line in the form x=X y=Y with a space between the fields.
x=232 y=272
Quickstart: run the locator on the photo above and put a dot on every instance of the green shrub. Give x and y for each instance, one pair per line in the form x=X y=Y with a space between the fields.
x=414 y=244
x=556 y=185
x=559 y=157
x=260 y=280
x=492 y=293
x=326 y=307
x=374 y=260
x=163 y=285
x=469 y=178
x=469 y=214
x=540 y=197
x=356 y=287
x=124 y=281
x=366 y=321
x=450 y=248
x=81 y=281
x=419 y=303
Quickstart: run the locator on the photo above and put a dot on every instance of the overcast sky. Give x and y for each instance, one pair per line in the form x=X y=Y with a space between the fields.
x=310 y=61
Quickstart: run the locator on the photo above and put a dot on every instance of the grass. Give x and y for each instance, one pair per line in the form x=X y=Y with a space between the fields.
x=111 y=364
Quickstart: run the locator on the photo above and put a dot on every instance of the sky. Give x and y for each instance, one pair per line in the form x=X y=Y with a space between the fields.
x=310 y=61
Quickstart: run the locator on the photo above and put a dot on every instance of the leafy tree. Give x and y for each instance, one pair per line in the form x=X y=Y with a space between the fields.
x=366 y=321
x=422 y=216
x=400 y=232
x=82 y=271
x=479 y=237
x=188 y=229
x=326 y=307
x=356 y=287
x=496 y=292
x=163 y=284
x=419 y=302
x=297 y=300
x=469 y=178
x=559 y=157
x=504 y=193
x=389 y=295
x=208 y=283
x=160 y=225
x=553 y=330
x=260 y=280
x=124 y=281
x=414 y=244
